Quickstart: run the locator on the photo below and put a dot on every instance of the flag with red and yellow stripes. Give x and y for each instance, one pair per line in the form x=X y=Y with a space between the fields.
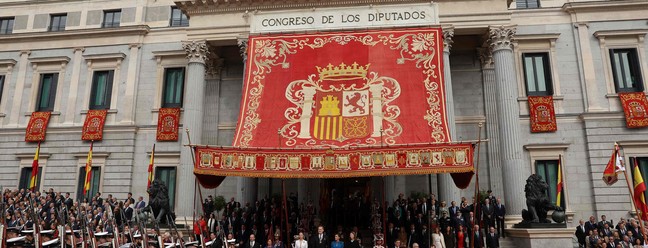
x=150 y=168
x=88 y=171
x=34 y=175
x=639 y=190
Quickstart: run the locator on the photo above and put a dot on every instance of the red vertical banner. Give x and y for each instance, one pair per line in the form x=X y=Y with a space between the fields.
x=168 y=124
x=542 y=114
x=635 y=107
x=37 y=126
x=93 y=125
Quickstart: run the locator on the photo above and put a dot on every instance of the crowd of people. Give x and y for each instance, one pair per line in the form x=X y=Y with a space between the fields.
x=411 y=222
x=54 y=213
x=604 y=233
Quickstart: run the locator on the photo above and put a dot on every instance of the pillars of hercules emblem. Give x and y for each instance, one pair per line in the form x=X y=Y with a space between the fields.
x=192 y=119
x=447 y=189
x=376 y=109
x=514 y=170
x=307 y=113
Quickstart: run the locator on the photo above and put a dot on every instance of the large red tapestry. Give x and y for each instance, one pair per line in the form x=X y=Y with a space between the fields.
x=344 y=89
x=93 y=125
x=542 y=114
x=37 y=126
x=635 y=107
x=338 y=163
x=168 y=124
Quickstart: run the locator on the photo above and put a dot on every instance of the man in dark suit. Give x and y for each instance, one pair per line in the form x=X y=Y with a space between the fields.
x=392 y=233
x=457 y=221
x=500 y=212
x=412 y=236
x=252 y=243
x=580 y=233
x=453 y=209
x=319 y=240
x=591 y=225
x=477 y=237
x=424 y=237
x=601 y=224
x=488 y=213
x=128 y=212
x=492 y=238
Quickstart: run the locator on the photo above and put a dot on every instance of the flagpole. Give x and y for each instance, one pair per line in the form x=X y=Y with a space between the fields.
x=639 y=213
x=476 y=199
x=630 y=191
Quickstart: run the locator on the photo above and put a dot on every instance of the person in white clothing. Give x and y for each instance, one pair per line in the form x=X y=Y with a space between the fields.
x=300 y=242
x=437 y=238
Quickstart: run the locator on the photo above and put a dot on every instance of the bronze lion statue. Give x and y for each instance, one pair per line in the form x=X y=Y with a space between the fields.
x=537 y=201
x=159 y=203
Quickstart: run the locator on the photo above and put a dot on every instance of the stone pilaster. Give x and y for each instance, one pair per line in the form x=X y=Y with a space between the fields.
x=128 y=117
x=16 y=111
x=192 y=119
x=514 y=169
x=390 y=182
x=447 y=189
x=492 y=132
x=70 y=108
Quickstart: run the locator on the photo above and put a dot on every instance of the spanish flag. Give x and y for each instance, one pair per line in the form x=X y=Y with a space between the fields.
x=34 y=176
x=559 y=185
x=639 y=189
x=88 y=171
x=150 y=168
x=614 y=166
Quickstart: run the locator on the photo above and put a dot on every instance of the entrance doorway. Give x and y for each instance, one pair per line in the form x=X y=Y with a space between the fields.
x=346 y=202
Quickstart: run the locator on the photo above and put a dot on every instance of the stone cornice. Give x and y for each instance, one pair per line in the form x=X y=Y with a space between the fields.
x=45 y=60
x=7 y=62
x=76 y=34
x=604 y=6
x=620 y=33
x=105 y=56
x=220 y=6
x=536 y=37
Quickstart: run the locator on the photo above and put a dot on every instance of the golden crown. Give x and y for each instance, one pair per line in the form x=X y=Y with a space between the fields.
x=343 y=71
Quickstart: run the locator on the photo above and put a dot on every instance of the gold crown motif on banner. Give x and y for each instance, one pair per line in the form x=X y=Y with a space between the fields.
x=343 y=71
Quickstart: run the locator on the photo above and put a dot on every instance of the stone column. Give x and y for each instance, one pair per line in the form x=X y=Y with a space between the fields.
x=490 y=102
x=192 y=119
x=448 y=191
x=390 y=182
x=514 y=170
x=302 y=190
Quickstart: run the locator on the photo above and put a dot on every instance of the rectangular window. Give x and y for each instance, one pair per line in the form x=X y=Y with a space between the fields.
x=111 y=18
x=527 y=4
x=57 y=22
x=643 y=167
x=178 y=19
x=101 y=90
x=173 y=87
x=6 y=25
x=548 y=171
x=537 y=74
x=94 y=182
x=625 y=70
x=25 y=177
x=47 y=92
x=168 y=176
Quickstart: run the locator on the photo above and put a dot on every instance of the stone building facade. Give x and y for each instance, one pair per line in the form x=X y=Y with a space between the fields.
x=574 y=49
